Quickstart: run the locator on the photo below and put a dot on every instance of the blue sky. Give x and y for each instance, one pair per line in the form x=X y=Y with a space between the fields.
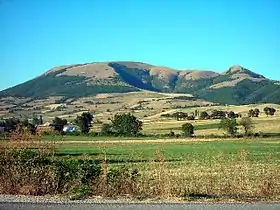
x=36 y=35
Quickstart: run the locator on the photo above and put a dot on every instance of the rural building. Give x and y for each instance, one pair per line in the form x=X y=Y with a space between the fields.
x=69 y=129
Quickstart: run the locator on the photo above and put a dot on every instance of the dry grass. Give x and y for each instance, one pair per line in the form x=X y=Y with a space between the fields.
x=222 y=179
x=236 y=177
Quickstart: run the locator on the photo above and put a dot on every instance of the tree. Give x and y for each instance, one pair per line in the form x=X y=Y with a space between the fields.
x=231 y=114
x=204 y=115
x=196 y=113
x=126 y=124
x=180 y=115
x=41 y=120
x=269 y=111
x=229 y=125
x=254 y=112
x=171 y=134
x=266 y=110
x=248 y=124
x=272 y=111
x=11 y=124
x=29 y=126
x=191 y=117
x=251 y=113
x=84 y=122
x=58 y=124
x=35 y=120
x=216 y=114
x=188 y=129
x=106 y=130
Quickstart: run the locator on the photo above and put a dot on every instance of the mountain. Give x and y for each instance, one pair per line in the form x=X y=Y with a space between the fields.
x=237 y=85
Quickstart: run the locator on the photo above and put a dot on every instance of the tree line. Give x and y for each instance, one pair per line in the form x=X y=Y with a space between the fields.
x=127 y=124
x=217 y=114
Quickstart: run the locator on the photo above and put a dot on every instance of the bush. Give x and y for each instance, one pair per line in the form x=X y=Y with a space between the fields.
x=80 y=192
x=171 y=134
x=35 y=172
x=122 y=180
x=73 y=133
x=92 y=133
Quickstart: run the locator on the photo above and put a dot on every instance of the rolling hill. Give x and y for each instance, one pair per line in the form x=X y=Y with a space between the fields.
x=237 y=85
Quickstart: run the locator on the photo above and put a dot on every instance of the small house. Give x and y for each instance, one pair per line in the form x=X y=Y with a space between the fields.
x=69 y=129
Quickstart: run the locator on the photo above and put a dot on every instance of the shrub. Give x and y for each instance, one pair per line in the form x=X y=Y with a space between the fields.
x=92 y=133
x=80 y=192
x=122 y=180
x=171 y=134
x=37 y=172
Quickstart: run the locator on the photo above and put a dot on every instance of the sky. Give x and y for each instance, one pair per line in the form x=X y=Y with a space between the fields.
x=36 y=35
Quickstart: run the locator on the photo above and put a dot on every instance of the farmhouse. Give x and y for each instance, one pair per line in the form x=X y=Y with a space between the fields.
x=69 y=129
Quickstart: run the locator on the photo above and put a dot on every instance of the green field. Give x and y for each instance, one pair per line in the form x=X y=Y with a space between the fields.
x=123 y=151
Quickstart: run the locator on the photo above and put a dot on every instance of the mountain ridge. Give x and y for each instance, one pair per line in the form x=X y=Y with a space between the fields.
x=237 y=85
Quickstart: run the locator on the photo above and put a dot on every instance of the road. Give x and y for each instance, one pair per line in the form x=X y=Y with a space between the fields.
x=21 y=202
x=135 y=206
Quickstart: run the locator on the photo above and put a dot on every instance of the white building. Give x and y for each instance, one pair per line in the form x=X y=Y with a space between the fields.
x=69 y=129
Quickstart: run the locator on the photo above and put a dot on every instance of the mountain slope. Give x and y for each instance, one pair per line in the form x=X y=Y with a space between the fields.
x=237 y=85
x=62 y=82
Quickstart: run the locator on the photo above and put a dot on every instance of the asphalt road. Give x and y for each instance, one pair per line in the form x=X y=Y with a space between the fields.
x=135 y=206
x=20 y=202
